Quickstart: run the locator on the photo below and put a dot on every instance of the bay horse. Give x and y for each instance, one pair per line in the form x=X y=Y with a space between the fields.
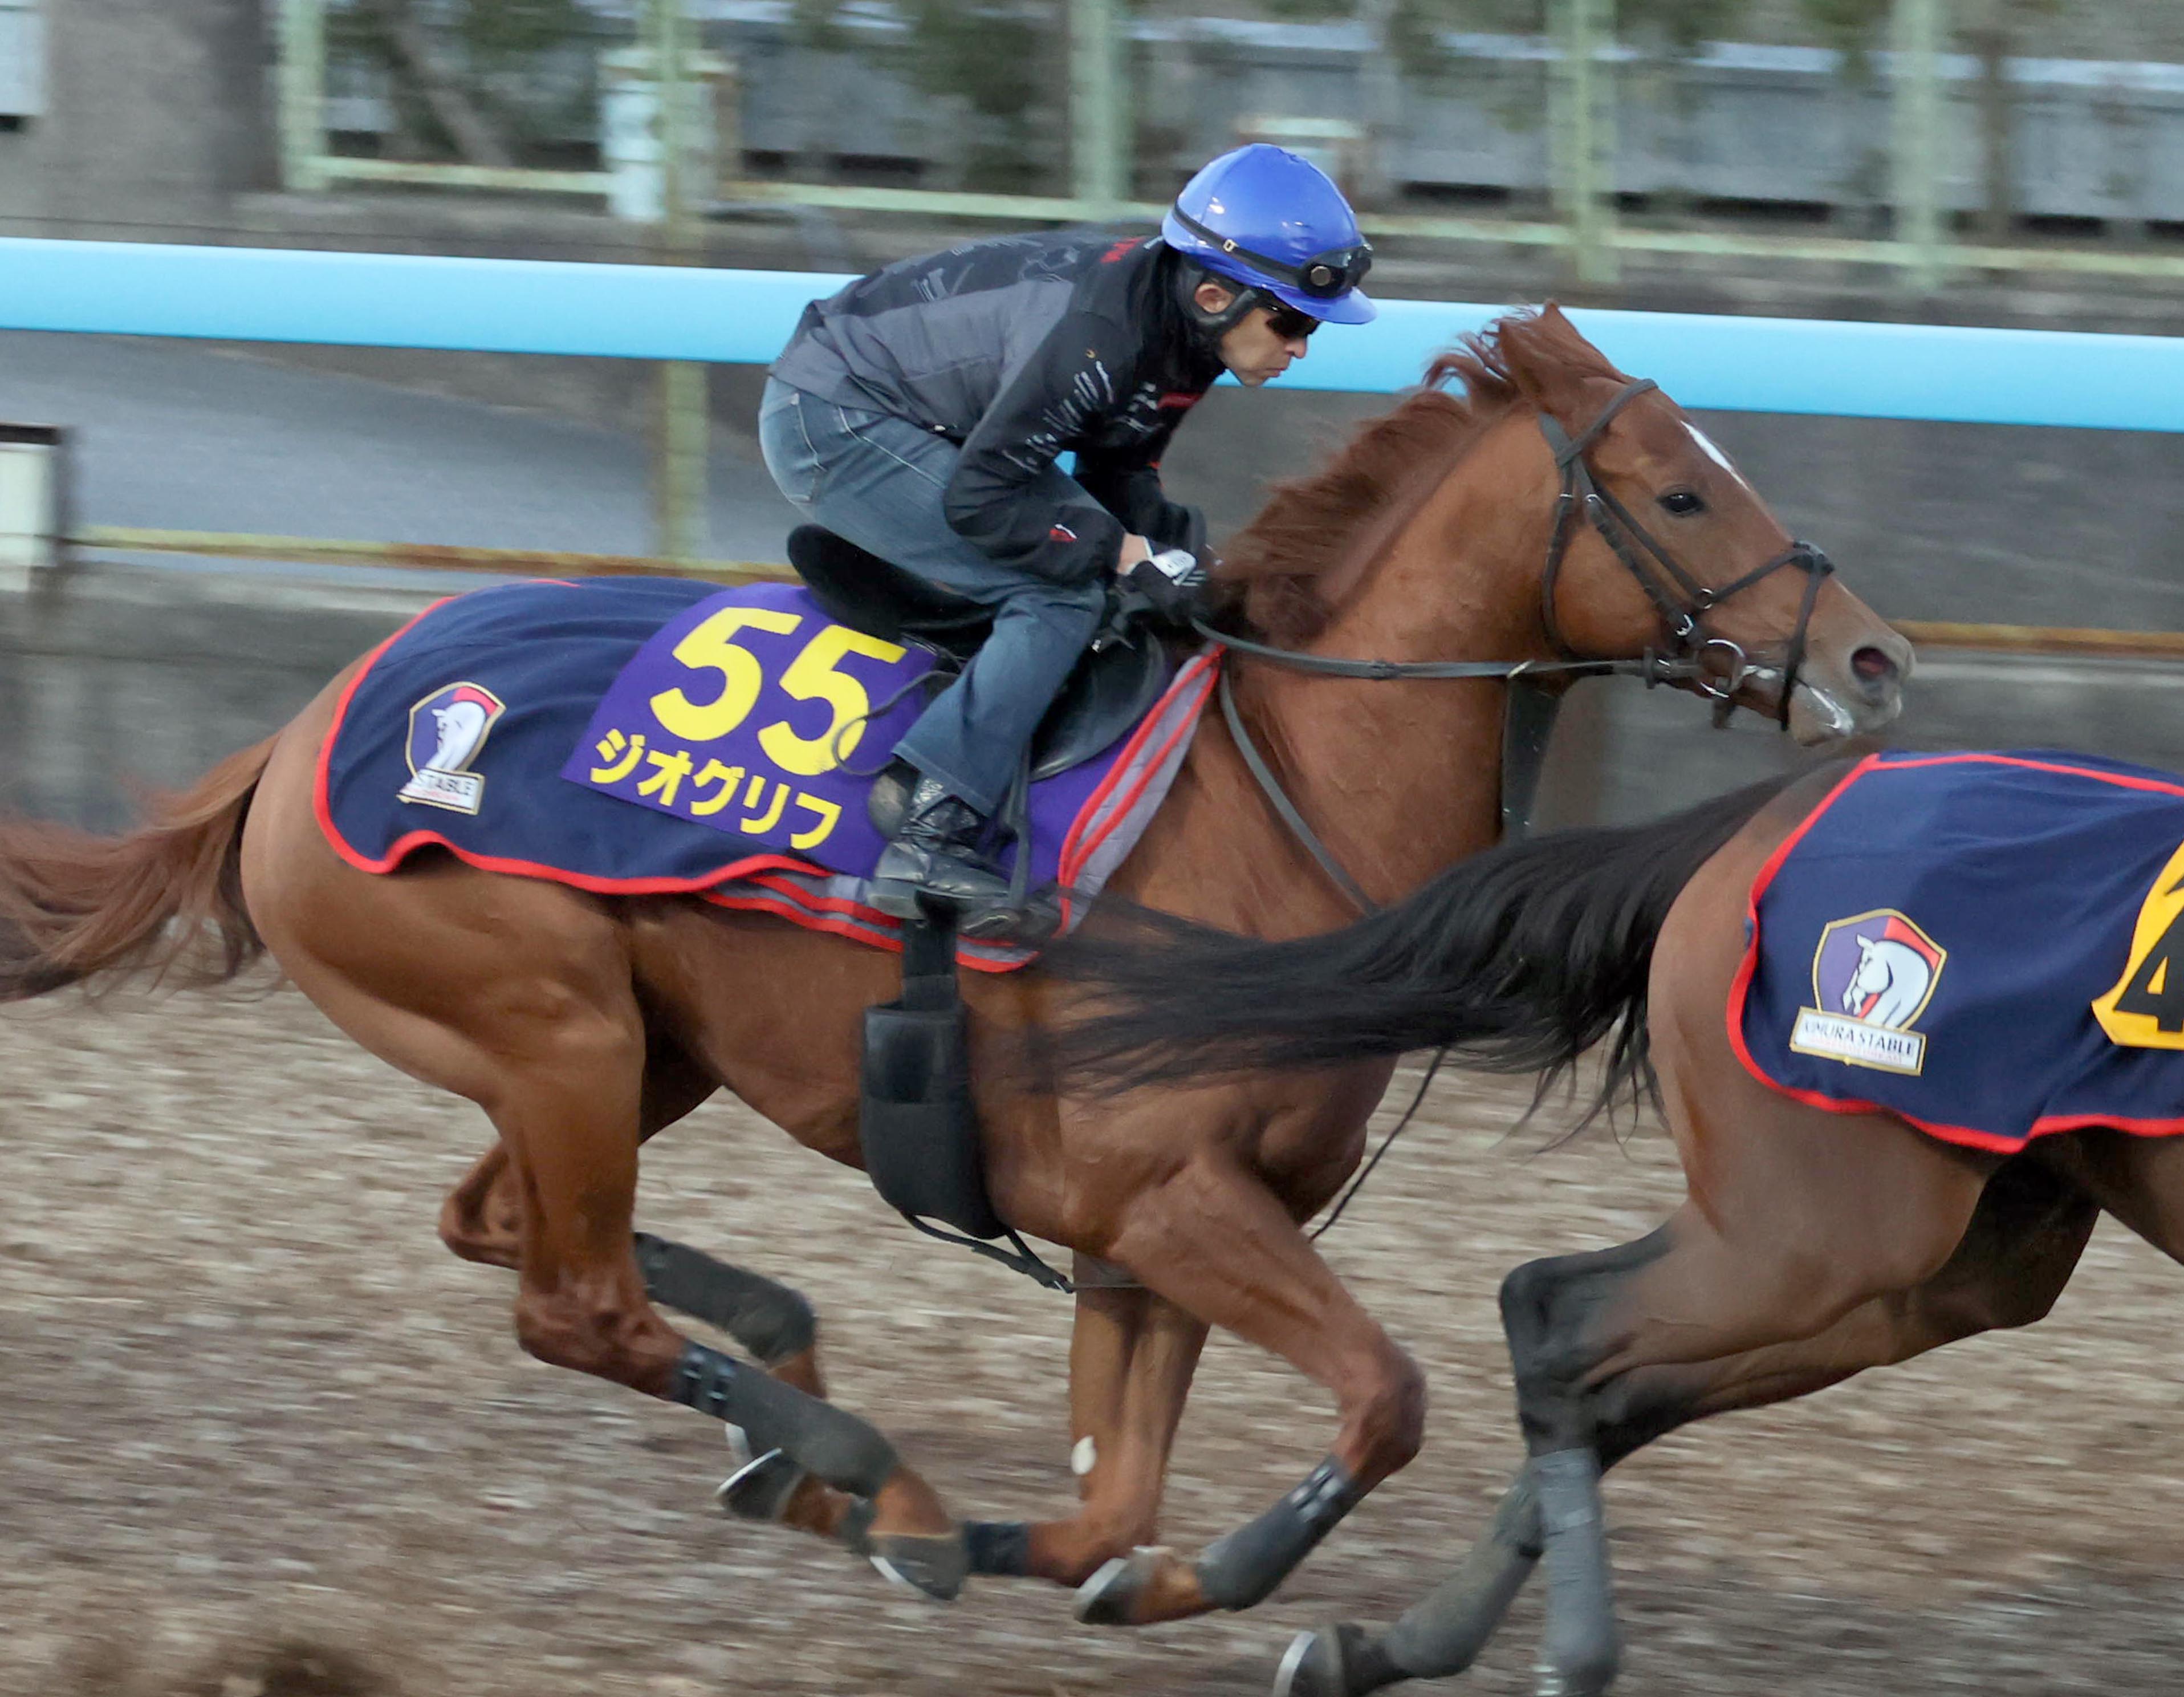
x=1821 y=1237
x=1496 y=523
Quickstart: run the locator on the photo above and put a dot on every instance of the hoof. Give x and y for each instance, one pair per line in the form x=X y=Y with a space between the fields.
x=1337 y=1662
x=1116 y=1595
x=1312 y=1666
x=933 y=1567
x=760 y=1489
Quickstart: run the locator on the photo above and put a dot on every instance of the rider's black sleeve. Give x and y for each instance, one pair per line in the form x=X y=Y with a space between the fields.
x=1077 y=372
x=1127 y=482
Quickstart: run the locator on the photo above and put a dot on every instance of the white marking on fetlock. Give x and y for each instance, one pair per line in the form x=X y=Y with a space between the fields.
x=1292 y=1658
x=739 y=1445
x=1084 y=1457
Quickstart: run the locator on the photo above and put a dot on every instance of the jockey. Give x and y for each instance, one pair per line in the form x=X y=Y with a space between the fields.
x=919 y=414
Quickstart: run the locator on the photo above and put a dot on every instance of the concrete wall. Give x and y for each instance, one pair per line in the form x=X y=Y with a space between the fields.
x=155 y=118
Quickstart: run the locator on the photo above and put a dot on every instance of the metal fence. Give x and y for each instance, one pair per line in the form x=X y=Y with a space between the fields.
x=1575 y=129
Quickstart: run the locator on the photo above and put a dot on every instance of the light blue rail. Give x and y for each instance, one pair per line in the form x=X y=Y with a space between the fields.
x=652 y=312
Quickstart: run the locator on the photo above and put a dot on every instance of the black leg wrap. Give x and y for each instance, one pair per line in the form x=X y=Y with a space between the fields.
x=770 y=1321
x=999 y=1547
x=1444 y=1631
x=837 y=1445
x=1580 y=1650
x=1244 y=1568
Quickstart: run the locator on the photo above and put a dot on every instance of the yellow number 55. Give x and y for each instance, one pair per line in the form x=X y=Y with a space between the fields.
x=810 y=676
x=711 y=648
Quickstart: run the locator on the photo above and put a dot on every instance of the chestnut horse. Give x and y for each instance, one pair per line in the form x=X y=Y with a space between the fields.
x=583 y=1024
x=1817 y=1241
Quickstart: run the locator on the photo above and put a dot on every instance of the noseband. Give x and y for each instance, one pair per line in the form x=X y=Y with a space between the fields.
x=1681 y=600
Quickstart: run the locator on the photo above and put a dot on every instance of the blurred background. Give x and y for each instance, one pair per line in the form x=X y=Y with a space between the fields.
x=2009 y=162
x=251 y=1408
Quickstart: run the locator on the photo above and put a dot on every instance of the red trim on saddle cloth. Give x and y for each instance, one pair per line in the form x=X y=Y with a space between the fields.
x=785 y=900
x=2051 y=1124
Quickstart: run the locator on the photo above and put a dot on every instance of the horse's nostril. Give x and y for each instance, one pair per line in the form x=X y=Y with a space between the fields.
x=1872 y=666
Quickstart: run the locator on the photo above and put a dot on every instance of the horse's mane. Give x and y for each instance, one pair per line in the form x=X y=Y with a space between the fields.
x=1344 y=513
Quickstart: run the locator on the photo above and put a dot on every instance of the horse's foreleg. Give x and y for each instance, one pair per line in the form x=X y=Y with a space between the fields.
x=1131 y=1359
x=1220 y=1245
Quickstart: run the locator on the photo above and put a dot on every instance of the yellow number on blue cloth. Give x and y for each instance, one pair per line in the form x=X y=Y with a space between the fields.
x=2146 y=1009
x=711 y=648
x=812 y=677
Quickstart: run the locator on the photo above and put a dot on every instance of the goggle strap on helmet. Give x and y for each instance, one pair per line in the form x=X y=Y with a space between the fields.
x=1323 y=276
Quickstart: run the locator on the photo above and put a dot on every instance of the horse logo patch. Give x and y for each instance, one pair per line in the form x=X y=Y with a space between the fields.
x=1872 y=978
x=447 y=729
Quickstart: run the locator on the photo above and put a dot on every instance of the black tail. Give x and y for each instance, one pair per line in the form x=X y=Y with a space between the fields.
x=1520 y=960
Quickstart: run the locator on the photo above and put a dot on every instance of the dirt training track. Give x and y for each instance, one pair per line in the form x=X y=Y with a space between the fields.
x=248 y=1398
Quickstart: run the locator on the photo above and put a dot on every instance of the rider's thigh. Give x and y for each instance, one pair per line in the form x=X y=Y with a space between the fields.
x=785 y=442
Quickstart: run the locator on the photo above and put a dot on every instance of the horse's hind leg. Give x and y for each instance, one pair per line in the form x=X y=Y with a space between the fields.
x=519 y=995
x=482 y=1221
x=2019 y=1253
x=1132 y=1356
x=1809 y=1216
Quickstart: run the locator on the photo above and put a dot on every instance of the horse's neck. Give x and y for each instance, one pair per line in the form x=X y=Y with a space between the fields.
x=1402 y=779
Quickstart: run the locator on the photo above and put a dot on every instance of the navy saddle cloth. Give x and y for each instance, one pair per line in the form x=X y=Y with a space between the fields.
x=1990 y=945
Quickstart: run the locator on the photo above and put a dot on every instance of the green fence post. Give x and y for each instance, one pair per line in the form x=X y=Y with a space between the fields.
x=303 y=83
x=1581 y=147
x=1099 y=160
x=1917 y=31
x=683 y=422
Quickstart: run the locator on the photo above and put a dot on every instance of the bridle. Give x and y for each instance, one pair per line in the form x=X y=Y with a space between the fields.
x=1682 y=601
x=1716 y=666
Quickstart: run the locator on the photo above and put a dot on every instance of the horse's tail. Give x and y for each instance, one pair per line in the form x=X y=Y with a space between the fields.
x=73 y=906
x=1520 y=960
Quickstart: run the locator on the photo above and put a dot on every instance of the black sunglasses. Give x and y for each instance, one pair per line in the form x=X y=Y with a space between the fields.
x=1287 y=323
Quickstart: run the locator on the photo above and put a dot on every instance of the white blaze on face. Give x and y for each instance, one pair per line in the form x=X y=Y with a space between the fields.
x=1713 y=451
x=460 y=727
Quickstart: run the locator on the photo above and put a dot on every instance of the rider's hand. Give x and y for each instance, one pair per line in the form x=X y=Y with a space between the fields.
x=1135 y=549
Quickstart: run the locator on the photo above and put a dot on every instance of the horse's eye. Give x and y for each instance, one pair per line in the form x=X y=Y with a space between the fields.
x=1684 y=502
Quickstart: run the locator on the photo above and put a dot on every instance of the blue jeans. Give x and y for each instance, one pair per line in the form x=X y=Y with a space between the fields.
x=877 y=480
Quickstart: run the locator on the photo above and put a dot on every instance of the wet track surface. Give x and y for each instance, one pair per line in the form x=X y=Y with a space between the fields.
x=248 y=1396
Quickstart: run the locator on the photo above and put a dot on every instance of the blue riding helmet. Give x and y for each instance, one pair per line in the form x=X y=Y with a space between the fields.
x=1273 y=221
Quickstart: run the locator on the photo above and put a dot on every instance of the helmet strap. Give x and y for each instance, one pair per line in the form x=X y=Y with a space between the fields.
x=1211 y=327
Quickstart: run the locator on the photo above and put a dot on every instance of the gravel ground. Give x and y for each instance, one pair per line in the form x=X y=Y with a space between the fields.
x=251 y=1403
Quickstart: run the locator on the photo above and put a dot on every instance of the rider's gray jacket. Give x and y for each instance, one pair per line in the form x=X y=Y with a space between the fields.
x=1019 y=348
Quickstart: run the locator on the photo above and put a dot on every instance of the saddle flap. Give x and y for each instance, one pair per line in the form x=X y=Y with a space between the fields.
x=860 y=590
x=1111 y=688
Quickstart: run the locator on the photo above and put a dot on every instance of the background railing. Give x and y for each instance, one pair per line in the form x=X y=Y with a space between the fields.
x=1600 y=145
x=688 y=316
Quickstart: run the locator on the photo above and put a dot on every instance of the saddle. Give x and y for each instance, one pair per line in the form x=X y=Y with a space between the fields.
x=1114 y=685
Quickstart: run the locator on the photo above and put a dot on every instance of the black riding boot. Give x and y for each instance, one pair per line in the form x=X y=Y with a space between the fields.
x=934 y=853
